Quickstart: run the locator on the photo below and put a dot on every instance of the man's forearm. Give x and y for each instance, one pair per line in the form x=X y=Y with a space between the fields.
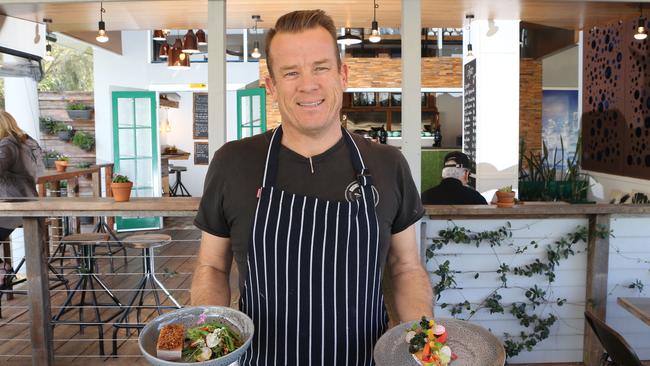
x=210 y=287
x=413 y=294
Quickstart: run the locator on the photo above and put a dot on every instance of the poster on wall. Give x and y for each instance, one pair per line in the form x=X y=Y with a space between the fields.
x=201 y=153
x=469 y=110
x=200 y=113
x=560 y=121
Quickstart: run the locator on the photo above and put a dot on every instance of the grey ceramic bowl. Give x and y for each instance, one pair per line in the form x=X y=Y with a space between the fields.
x=474 y=345
x=238 y=321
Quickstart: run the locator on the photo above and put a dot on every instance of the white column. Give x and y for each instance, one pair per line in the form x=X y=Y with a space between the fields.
x=411 y=83
x=496 y=48
x=21 y=100
x=216 y=74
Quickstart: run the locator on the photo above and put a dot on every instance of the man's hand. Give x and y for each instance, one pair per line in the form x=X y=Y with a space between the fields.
x=410 y=282
x=210 y=284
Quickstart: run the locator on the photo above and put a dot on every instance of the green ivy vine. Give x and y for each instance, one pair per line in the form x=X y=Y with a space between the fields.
x=535 y=327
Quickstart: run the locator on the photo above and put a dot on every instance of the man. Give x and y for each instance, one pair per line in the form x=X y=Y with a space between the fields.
x=453 y=189
x=311 y=214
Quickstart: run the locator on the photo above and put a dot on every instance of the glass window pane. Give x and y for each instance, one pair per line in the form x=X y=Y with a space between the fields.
x=144 y=192
x=245 y=132
x=256 y=109
x=143 y=142
x=144 y=177
x=143 y=111
x=245 y=116
x=257 y=130
x=126 y=143
x=125 y=112
x=127 y=167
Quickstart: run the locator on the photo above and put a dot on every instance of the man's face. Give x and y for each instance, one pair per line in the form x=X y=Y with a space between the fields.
x=307 y=84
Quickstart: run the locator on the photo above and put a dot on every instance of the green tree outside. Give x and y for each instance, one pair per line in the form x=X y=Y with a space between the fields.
x=71 y=70
x=2 y=93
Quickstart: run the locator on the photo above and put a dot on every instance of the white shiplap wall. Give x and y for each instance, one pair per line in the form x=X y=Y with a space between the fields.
x=632 y=240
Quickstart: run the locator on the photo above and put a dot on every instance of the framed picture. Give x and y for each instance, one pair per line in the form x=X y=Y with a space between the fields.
x=201 y=153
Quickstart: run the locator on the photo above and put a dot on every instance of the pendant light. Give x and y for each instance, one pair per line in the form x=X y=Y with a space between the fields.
x=48 y=47
x=164 y=51
x=374 y=33
x=190 y=44
x=159 y=35
x=256 y=50
x=178 y=60
x=348 y=38
x=101 y=34
x=200 y=38
x=641 y=31
x=469 y=17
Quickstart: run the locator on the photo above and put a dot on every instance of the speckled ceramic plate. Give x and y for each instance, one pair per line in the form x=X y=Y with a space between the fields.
x=474 y=345
x=236 y=320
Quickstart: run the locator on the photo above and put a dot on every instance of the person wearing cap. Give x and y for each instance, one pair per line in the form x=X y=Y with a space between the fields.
x=453 y=189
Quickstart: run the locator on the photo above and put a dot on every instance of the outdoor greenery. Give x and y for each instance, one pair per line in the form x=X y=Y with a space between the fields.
x=2 y=93
x=71 y=70
x=543 y=177
x=531 y=309
x=49 y=125
x=83 y=140
x=76 y=106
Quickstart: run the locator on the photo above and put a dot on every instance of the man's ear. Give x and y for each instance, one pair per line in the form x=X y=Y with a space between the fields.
x=344 y=76
x=270 y=85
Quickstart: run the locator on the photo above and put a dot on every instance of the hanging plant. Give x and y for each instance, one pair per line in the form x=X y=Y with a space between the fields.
x=83 y=140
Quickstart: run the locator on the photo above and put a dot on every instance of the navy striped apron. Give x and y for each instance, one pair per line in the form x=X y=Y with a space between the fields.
x=313 y=287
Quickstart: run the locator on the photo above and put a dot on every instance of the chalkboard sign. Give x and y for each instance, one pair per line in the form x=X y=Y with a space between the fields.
x=200 y=126
x=469 y=110
x=201 y=153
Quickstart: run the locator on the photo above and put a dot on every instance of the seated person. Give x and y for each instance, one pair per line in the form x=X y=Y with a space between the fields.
x=453 y=189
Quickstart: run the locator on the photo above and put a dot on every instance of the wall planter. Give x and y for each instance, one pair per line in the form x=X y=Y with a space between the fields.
x=83 y=140
x=66 y=135
x=79 y=114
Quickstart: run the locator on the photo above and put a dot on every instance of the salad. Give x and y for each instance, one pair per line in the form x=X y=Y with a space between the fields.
x=208 y=341
x=427 y=343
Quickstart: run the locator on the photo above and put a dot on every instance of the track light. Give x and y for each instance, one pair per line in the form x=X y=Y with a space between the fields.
x=374 y=33
x=348 y=38
x=101 y=34
x=641 y=31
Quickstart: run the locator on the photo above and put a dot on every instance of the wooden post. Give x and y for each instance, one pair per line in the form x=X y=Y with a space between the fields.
x=108 y=171
x=39 y=293
x=596 y=294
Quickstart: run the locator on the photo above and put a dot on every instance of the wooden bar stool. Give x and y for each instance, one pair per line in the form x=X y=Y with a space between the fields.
x=147 y=243
x=88 y=281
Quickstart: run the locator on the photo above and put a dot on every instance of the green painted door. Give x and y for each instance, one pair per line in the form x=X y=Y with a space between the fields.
x=135 y=151
x=251 y=112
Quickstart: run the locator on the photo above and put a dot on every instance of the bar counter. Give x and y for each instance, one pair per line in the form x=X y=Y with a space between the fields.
x=35 y=209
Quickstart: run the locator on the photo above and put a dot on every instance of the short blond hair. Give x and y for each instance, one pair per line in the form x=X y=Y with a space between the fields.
x=9 y=127
x=300 y=21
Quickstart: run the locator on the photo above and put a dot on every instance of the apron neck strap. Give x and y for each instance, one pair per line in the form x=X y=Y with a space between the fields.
x=271 y=166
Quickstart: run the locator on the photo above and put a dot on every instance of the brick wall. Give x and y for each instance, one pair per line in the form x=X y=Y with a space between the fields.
x=437 y=72
x=530 y=103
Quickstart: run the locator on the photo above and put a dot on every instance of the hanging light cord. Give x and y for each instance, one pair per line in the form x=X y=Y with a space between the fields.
x=374 y=11
x=101 y=11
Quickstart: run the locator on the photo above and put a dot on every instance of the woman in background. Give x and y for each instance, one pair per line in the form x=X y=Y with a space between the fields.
x=20 y=162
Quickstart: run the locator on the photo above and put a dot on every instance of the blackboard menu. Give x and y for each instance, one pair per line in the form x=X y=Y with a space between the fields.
x=201 y=153
x=469 y=110
x=200 y=126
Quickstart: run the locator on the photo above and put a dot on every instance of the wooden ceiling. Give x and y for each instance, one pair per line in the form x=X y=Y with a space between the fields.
x=76 y=15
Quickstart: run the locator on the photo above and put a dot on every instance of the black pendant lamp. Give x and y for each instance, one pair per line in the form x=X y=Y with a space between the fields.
x=200 y=38
x=641 y=31
x=348 y=38
x=374 y=33
x=101 y=32
x=469 y=18
x=190 y=43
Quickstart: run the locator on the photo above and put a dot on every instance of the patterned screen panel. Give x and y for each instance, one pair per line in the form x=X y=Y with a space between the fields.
x=616 y=101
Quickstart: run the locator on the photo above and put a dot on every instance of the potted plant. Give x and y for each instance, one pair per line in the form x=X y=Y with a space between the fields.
x=505 y=197
x=78 y=110
x=83 y=140
x=48 y=125
x=61 y=163
x=64 y=131
x=121 y=187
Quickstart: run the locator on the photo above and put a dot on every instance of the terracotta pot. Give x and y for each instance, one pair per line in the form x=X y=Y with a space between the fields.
x=121 y=191
x=505 y=199
x=60 y=165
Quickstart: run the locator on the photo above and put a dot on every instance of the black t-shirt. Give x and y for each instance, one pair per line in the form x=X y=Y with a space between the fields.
x=452 y=192
x=235 y=174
